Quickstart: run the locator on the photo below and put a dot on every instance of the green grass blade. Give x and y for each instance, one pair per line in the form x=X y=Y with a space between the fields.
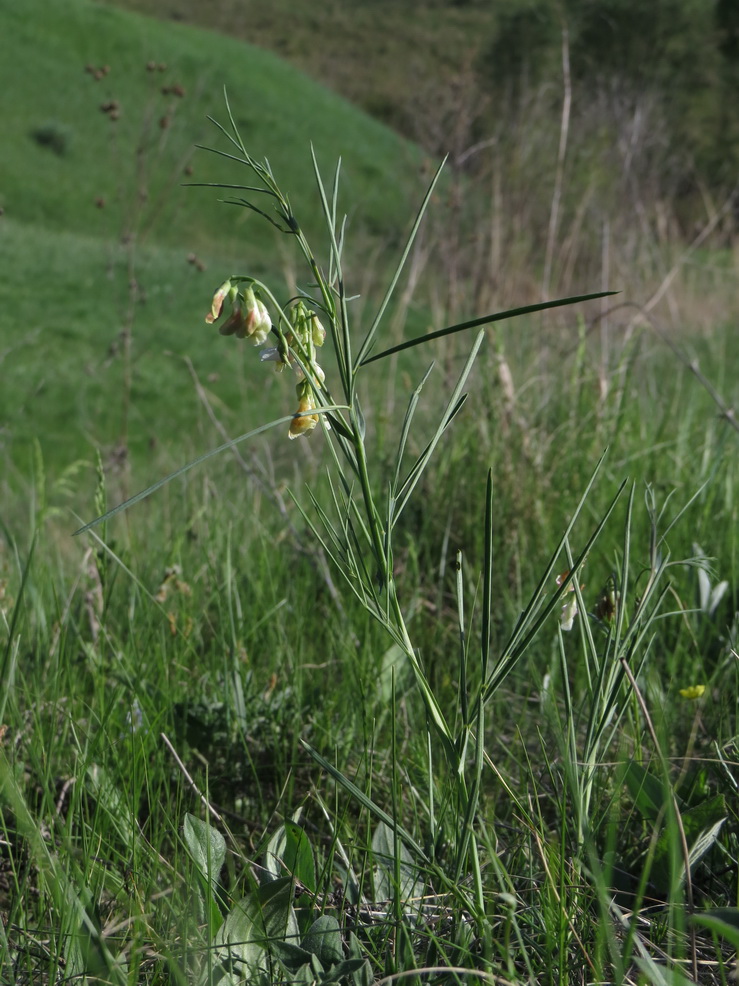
x=331 y=530
x=487 y=588
x=532 y=619
x=483 y=320
x=405 y=431
x=453 y=407
x=334 y=268
x=7 y=661
x=351 y=788
x=191 y=465
x=683 y=509
x=474 y=793
x=422 y=461
x=355 y=586
x=370 y=337
x=462 y=689
x=342 y=341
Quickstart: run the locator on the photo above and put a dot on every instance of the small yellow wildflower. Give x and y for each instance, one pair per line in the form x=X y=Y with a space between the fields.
x=693 y=692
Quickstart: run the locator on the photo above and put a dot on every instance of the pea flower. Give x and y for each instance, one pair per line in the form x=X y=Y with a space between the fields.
x=249 y=318
x=569 y=606
x=303 y=422
x=235 y=324
x=217 y=304
x=303 y=335
x=256 y=318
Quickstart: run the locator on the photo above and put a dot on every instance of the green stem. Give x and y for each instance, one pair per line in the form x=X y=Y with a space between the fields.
x=382 y=556
x=369 y=503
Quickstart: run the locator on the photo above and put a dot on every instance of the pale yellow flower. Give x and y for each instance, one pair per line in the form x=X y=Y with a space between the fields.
x=257 y=322
x=303 y=423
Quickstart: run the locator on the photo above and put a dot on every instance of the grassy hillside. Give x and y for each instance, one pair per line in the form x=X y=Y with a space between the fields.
x=392 y=59
x=61 y=343
x=93 y=200
x=62 y=153
x=455 y=73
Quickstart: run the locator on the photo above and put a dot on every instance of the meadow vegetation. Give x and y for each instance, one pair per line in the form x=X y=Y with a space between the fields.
x=444 y=693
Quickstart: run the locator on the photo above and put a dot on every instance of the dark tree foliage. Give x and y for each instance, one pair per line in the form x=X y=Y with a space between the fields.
x=727 y=23
x=646 y=43
x=682 y=54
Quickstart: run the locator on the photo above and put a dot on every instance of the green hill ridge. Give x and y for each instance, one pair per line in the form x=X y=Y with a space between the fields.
x=79 y=150
x=61 y=153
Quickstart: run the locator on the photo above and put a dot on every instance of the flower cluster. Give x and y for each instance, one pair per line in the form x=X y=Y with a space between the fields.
x=307 y=335
x=249 y=319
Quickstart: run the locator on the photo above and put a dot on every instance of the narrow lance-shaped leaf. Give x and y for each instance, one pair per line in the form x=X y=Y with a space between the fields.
x=484 y=320
x=487 y=593
x=339 y=327
x=363 y=800
x=407 y=421
x=453 y=406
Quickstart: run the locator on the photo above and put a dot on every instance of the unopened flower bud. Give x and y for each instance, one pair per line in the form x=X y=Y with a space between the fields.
x=217 y=304
x=256 y=318
x=318 y=332
x=569 y=611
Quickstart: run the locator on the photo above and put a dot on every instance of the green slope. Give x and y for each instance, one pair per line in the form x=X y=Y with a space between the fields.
x=398 y=59
x=44 y=47
x=64 y=294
